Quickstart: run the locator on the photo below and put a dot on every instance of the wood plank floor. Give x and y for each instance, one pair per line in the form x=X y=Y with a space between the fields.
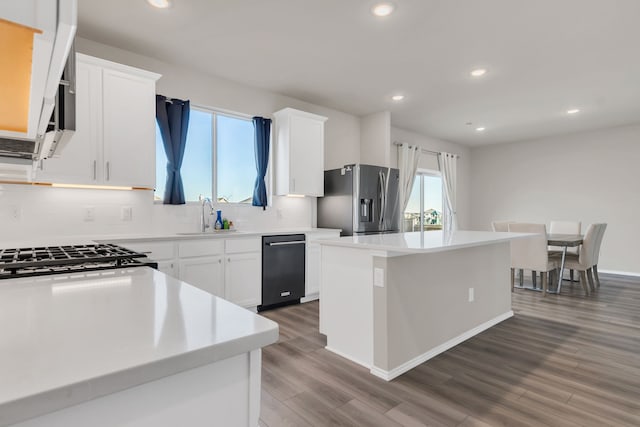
x=563 y=360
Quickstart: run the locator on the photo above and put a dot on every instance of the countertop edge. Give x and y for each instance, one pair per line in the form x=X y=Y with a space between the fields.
x=93 y=388
x=397 y=250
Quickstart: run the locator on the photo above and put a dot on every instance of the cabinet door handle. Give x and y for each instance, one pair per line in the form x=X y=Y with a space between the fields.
x=95 y=170
x=108 y=171
x=220 y=261
x=228 y=259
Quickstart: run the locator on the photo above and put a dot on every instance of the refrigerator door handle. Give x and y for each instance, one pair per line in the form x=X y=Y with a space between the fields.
x=383 y=199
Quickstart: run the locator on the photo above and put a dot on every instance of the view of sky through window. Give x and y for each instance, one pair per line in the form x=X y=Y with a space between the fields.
x=235 y=169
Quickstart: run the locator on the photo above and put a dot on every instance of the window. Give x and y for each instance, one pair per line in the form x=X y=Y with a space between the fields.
x=219 y=159
x=425 y=208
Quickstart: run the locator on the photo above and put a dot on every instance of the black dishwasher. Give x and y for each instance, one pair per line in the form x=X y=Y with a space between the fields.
x=283 y=265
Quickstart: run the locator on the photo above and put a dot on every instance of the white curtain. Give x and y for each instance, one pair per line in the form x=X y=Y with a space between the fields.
x=408 y=165
x=448 y=169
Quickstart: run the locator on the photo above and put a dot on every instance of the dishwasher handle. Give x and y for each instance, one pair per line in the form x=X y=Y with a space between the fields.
x=296 y=242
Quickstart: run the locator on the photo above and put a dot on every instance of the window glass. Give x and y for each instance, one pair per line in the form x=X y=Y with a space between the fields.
x=196 y=164
x=424 y=210
x=235 y=169
x=432 y=202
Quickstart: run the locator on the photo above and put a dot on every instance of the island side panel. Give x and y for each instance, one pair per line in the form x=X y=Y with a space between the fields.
x=427 y=303
x=216 y=394
x=346 y=303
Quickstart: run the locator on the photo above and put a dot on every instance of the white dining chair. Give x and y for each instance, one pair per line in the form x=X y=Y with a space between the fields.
x=500 y=225
x=586 y=262
x=596 y=252
x=565 y=227
x=531 y=253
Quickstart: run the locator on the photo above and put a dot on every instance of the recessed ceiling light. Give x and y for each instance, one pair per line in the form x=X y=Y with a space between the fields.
x=573 y=111
x=480 y=129
x=160 y=4
x=382 y=9
x=478 y=72
x=397 y=97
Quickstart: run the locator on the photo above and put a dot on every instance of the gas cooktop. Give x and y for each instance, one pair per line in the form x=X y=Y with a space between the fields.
x=36 y=261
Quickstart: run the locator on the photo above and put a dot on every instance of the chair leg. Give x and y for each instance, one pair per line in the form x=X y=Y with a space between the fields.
x=571 y=275
x=521 y=277
x=583 y=282
x=595 y=275
x=534 y=274
x=513 y=278
x=591 y=280
x=545 y=284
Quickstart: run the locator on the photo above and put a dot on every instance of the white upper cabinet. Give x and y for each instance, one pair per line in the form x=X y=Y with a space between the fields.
x=299 y=153
x=114 y=143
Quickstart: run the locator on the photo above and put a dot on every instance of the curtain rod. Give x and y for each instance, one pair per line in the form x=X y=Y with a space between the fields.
x=424 y=150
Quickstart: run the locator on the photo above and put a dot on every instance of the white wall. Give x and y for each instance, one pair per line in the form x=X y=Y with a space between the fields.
x=342 y=131
x=592 y=177
x=375 y=138
x=55 y=212
x=430 y=161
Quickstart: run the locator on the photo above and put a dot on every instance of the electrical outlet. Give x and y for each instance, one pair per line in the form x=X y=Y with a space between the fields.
x=471 y=295
x=89 y=213
x=126 y=213
x=378 y=277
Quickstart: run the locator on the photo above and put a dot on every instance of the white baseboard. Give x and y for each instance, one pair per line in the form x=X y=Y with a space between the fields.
x=346 y=356
x=619 y=273
x=310 y=298
x=395 y=372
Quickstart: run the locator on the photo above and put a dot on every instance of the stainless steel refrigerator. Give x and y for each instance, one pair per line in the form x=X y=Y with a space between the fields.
x=360 y=199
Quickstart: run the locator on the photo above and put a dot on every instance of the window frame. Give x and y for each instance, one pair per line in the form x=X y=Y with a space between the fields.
x=214 y=158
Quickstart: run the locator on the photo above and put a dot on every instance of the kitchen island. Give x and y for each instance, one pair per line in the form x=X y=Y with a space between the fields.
x=126 y=347
x=389 y=302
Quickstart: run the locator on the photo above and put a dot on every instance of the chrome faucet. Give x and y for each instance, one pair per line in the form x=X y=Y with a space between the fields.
x=204 y=223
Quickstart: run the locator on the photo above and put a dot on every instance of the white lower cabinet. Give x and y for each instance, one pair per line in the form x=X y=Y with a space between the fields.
x=243 y=279
x=229 y=268
x=168 y=267
x=207 y=273
x=313 y=258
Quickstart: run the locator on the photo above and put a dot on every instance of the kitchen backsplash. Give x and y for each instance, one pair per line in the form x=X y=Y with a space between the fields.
x=31 y=211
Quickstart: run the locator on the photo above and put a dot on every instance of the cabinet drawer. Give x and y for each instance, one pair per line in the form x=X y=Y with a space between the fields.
x=157 y=251
x=240 y=245
x=200 y=247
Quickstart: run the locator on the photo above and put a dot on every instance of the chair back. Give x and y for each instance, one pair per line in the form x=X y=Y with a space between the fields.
x=587 y=252
x=529 y=253
x=501 y=225
x=565 y=227
x=596 y=248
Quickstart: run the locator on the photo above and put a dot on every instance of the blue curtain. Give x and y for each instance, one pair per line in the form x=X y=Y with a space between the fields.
x=173 y=119
x=262 y=129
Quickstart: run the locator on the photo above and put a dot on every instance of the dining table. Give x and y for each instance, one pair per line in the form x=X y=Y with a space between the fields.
x=565 y=241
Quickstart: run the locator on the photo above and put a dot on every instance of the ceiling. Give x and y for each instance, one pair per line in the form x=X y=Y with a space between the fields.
x=542 y=57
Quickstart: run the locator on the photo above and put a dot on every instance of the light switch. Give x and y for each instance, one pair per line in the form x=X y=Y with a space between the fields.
x=378 y=277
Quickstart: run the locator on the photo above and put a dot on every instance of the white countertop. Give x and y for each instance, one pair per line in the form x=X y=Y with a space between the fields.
x=65 y=339
x=116 y=238
x=425 y=242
